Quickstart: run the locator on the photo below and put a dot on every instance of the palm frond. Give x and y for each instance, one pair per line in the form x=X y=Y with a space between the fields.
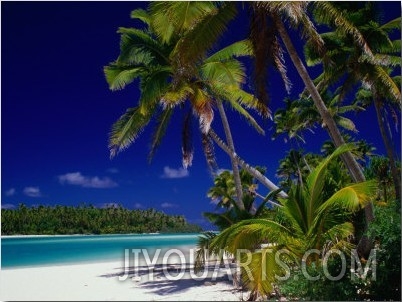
x=393 y=24
x=315 y=181
x=243 y=98
x=258 y=271
x=295 y=209
x=176 y=95
x=241 y=48
x=229 y=72
x=250 y=234
x=118 y=76
x=153 y=86
x=203 y=250
x=193 y=45
x=338 y=233
x=351 y=198
x=346 y=123
x=393 y=90
x=267 y=49
x=127 y=128
x=177 y=17
x=267 y=199
x=162 y=123
x=138 y=47
x=328 y=13
x=142 y=15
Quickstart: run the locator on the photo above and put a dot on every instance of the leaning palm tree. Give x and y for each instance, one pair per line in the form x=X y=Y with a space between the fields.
x=205 y=33
x=165 y=87
x=313 y=217
x=267 y=27
x=200 y=25
x=296 y=13
x=384 y=107
x=179 y=19
x=351 y=65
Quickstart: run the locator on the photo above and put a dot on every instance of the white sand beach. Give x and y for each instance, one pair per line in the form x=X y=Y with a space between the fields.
x=100 y=282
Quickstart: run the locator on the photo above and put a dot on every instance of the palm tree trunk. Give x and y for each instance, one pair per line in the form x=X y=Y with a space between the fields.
x=264 y=180
x=350 y=162
x=235 y=165
x=389 y=149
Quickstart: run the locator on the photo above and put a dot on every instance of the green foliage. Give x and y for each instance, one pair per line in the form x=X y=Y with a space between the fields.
x=298 y=287
x=44 y=220
x=310 y=218
x=223 y=193
x=169 y=55
x=379 y=168
x=386 y=229
x=301 y=115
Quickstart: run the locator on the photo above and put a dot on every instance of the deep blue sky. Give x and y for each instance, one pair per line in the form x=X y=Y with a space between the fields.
x=56 y=112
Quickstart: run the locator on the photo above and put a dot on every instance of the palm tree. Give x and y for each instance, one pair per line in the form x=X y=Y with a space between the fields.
x=351 y=65
x=383 y=106
x=295 y=167
x=326 y=11
x=313 y=217
x=275 y=12
x=197 y=37
x=296 y=11
x=222 y=193
x=379 y=169
x=300 y=115
x=216 y=78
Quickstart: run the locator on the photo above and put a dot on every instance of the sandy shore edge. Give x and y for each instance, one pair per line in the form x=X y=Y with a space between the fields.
x=108 y=281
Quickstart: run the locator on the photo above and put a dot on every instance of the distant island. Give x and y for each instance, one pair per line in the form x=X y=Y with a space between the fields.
x=87 y=219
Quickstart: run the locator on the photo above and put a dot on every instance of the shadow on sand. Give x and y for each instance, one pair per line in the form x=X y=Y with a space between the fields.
x=168 y=279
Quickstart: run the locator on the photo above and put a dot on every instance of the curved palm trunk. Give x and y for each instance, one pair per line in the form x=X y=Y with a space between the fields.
x=264 y=180
x=235 y=165
x=389 y=149
x=350 y=162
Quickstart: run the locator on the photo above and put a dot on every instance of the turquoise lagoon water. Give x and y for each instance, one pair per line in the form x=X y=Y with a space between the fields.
x=56 y=250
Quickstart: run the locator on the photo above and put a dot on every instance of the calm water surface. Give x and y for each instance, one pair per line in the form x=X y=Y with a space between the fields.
x=54 y=250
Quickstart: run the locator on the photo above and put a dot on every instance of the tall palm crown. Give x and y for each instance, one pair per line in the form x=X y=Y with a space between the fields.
x=347 y=58
x=375 y=74
x=166 y=86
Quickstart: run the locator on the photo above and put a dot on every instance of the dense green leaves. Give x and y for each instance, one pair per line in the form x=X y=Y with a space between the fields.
x=309 y=218
x=89 y=220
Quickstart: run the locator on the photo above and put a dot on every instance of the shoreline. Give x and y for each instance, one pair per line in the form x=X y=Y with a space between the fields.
x=106 y=281
x=83 y=235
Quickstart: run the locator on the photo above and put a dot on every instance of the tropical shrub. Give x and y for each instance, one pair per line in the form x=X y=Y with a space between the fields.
x=386 y=230
x=310 y=219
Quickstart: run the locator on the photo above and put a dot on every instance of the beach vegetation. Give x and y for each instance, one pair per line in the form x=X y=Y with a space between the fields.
x=316 y=216
x=87 y=219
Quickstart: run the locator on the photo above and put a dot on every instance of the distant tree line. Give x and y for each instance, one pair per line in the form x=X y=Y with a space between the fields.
x=84 y=219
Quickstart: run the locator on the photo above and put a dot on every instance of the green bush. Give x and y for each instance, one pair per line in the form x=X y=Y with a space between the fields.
x=386 y=231
x=299 y=287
